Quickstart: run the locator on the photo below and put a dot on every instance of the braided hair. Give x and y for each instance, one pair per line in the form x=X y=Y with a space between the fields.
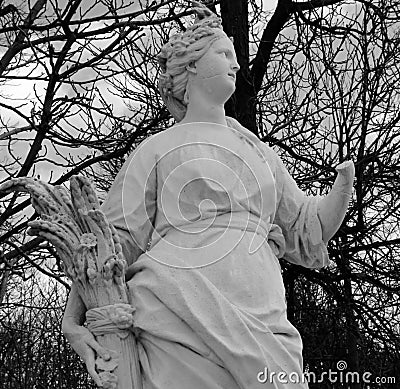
x=181 y=50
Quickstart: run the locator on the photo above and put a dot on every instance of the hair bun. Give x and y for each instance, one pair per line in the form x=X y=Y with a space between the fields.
x=182 y=49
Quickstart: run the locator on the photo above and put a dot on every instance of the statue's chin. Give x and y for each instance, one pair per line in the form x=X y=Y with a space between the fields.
x=218 y=89
x=224 y=94
x=230 y=95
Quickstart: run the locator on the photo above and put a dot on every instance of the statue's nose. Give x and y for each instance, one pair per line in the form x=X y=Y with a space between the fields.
x=235 y=67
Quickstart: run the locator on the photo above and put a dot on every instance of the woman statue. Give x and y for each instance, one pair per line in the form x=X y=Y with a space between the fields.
x=204 y=210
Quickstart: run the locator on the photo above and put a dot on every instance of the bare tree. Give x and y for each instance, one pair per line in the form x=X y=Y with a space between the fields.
x=324 y=86
x=34 y=352
x=70 y=120
x=319 y=81
x=66 y=53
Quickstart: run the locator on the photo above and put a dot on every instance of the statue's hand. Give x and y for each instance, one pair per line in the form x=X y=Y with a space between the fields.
x=345 y=178
x=85 y=345
x=346 y=169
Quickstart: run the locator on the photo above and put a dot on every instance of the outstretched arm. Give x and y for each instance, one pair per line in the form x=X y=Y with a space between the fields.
x=332 y=208
x=308 y=222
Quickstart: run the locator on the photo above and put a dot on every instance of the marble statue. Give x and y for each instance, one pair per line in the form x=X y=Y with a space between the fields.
x=196 y=221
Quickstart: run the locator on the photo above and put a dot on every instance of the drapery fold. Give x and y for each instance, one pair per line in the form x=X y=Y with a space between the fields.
x=212 y=316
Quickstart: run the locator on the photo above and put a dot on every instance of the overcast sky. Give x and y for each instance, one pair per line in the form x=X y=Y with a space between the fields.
x=23 y=90
x=269 y=4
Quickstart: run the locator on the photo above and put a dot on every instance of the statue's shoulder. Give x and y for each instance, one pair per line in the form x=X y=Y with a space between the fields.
x=269 y=153
x=151 y=144
x=272 y=157
x=158 y=144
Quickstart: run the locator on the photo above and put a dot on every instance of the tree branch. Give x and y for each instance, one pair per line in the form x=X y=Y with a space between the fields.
x=7 y=9
x=15 y=47
x=274 y=27
x=36 y=266
x=309 y=5
x=10 y=133
x=374 y=245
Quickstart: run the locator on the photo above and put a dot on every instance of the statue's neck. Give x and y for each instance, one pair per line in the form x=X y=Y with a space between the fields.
x=203 y=110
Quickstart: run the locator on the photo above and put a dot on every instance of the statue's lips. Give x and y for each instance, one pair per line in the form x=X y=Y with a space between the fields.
x=231 y=75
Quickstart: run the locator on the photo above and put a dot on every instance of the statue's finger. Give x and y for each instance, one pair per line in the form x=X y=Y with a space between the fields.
x=101 y=351
x=92 y=371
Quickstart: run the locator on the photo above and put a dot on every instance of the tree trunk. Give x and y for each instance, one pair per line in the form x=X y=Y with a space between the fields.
x=351 y=328
x=241 y=105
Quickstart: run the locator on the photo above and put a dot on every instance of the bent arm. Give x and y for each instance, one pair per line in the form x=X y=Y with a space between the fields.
x=74 y=312
x=332 y=208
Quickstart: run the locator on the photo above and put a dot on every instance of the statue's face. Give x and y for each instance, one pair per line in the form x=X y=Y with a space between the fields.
x=216 y=69
x=219 y=61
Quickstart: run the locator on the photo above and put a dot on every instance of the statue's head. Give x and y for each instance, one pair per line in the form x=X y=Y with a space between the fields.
x=181 y=52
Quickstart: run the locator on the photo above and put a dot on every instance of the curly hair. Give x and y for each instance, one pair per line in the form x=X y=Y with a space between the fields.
x=180 y=51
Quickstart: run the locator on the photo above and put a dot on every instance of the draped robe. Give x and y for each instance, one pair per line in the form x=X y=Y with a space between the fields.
x=204 y=212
